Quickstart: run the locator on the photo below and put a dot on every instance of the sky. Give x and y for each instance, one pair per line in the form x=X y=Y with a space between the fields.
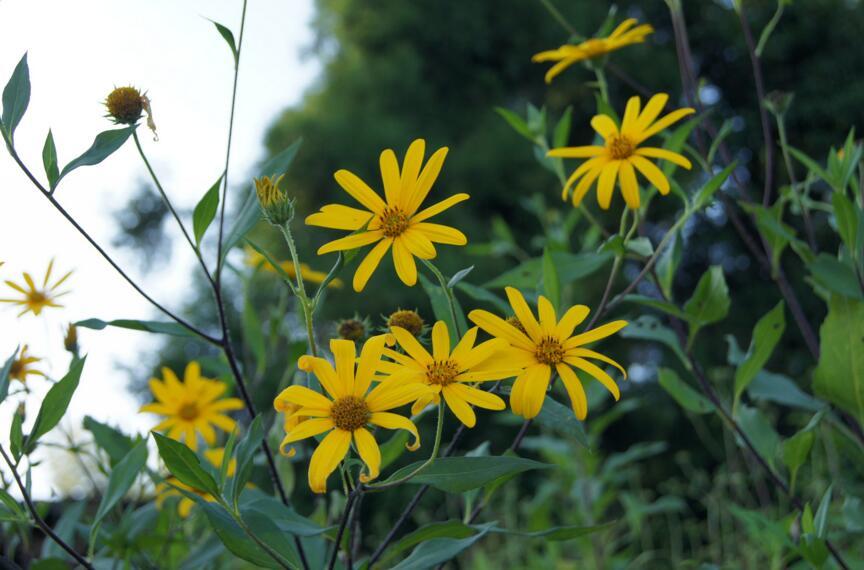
x=78 y=52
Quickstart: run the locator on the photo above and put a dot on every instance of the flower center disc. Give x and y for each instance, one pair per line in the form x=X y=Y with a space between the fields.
x=188 y=411
x=442 y=372
x=17 y=368
x=350 y=413
x=549 y=351
x=620 y=148
x=38 y=297
x=393 y=222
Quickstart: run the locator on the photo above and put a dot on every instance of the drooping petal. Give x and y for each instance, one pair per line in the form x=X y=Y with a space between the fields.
x=535 y=390
x=418 y=243
x=301 y=396
x=370 y=263
x=369 y=452
x=308 y=428
x=654 y=175
x=629 y=185
x=606 y=185
x=559 y=67
x=578 y=399
x=460 y=408
x=406 y=268
x=339 y=217
x=598 y=373
x=353 y=241
x=326 y=458
x=586 y=182
x=585 y=169
x=587 y=353
x=388 y=420
x=359 y=190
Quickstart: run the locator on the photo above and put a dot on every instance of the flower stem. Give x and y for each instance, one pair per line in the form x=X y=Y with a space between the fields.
x=448 y=293
x=601 y=82
x=435 y=447
x=306 y=304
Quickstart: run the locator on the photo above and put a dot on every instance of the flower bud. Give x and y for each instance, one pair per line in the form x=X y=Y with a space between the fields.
x=70 y=341
x=411 y=321
x=125 y=105
x=352 y=329
x=274 y=202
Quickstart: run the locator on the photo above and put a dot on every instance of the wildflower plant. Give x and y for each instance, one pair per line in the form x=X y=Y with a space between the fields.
x=344 y=411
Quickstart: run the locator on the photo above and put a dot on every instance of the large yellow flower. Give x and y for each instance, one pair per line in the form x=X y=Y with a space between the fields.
x=167 y=489
x=395 y=222
x=450 y=374
x=621 y=155
x=255 y=259
x=569 y=54
x=348 y=411
x=22 y=366
x=545 y=345
x=191 y=407
x=37 y=298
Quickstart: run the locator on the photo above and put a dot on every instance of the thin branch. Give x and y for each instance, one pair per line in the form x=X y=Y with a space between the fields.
x=342 y=525
x=39 y=520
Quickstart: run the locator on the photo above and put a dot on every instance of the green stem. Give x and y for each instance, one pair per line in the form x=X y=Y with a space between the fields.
x=601 y=82
x=448 y=292
x=435 y=447
x=306 y=304
x=555 y=13
x=278 y=558
x=790 y=171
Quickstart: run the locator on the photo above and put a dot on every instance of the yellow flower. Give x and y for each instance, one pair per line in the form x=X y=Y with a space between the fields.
x=22 y=366
x=567 y=55
x=191 y=406
x=349 y=410
x=450 y=373
x=621 y=154
x=396 y=222
x=37 y=298
x=166 y=489
x=255 y=259
x=549 y=344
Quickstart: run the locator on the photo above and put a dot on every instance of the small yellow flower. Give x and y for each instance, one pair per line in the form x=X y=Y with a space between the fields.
x=407 y=319
x=22 y=366
x=567 y=55
x=621 y=156
x=192 y=406
x=395 y=222
x=167 y=489
x=37 y=298
x=348 y=411
x=255 y=259
x=549 y=344
x=70 y=339
x=277 y=207
x=450 y=374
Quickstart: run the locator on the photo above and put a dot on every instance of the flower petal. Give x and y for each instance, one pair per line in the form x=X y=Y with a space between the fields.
x=596 y=372
x=576 y=151
x=578 y=399
x=607 y=183
x=439 y=207
x=663 y=123
x=605 y=126
x=339 y=217
x=587 y=353
x=436 y=233
x=395 y=421
x=418 y=243
x=425 y=181
x=406 y=268
x=523 y=313
x=325 y=374
x=369 y=364
x=369 y=452
x=460 y=408
x=370 y=263
x=629 y=185
x=390 y=176
x=548 y=319
x=410 y=345
x=595 y=334
x=654 y=175
x=352 y=241
x=498 y=327
x=476 y=397
x=440 y=341
x=359 y=190
x=344 y=354
x=571 y=319
x=662 y=153
x=326 y=458
x=411 y=172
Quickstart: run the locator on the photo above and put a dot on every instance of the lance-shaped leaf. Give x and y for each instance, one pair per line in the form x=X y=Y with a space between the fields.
x=104 y=145
x=766 y=335
x=709 y=303
x=16 y=97
x=839 y=376
x=55 y=404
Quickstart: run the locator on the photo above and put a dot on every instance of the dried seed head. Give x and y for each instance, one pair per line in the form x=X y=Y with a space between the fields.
x=125 y=105
x=352 y=329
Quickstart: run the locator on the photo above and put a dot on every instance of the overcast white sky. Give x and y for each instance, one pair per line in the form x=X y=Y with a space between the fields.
x=78 y=51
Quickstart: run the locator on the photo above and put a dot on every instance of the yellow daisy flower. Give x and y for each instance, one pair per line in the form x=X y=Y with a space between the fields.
x=545 y=345
x=255 y=259
x=567 y=55
x=394 y=222
x=192 y=406
x=348 y=411
x=450 y=374
x=167 y=489
x=22 y=366
x=37 y=298
x=621 y=155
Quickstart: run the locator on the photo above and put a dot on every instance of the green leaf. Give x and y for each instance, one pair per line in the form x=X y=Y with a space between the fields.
x=49 y=160
x=393 y=448
x=709 y=303
x=16 y=97
x=205 y=211
x=169 y=328
x=459 y=276
x=481 y=294
x=250 y=212
x=641 y=246
x=246 y=449
x=571 y=267
x=66 y=529
x=655 y=303
x=253 y=334
x=648 y=327
x=267 y=531
x=839 y=376
x=441 y=307
x=810 y=164
x=681 y=392
x=446 y=529
x=116 y=444
x=228 y=36
x=185 y=465
x=104 y=145
x=16 y=434
x=796 y=449
x=706 y=193
x=766 y=335
x=781 y=389
x=233 y=537
x=460 y=474
x=551 y=284
x=438 y=550
x=667 y=264
x=561 y=419
x=820 y=521
x=835 y=276
x=760 y=432
x=284 y=517
x=4 y=375
x=516 y=122
x=847 y=220
x=562 y=129
x=55 y=404
x=122 y=477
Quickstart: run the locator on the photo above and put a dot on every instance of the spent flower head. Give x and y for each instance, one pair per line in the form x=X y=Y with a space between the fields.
x=352 y=329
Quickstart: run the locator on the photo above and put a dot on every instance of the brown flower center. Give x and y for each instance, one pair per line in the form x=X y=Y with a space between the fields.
x=442 y=372
x=393 y=222
x=17 y=369
x=350 y=413
x=37 y=297
x=188 y=411
x=549 y=351
x=620 y=147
